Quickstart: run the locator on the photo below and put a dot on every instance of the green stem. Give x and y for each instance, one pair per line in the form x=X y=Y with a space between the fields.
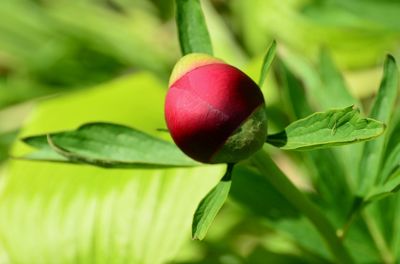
x=274 y=175
x=377 y=237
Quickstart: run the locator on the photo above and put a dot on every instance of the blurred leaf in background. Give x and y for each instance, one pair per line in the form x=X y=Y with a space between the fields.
x=57 y=47
x=358 y=34
x=54 y=213
x=49 y=45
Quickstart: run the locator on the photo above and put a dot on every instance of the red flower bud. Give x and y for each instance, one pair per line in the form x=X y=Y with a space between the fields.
x=214 y=112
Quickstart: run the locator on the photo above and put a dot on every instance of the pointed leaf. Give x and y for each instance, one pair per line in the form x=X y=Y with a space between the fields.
x=210 y=206
x=390 y=187
x=110 y=145
x=268 y=59
x=326 y=170
x=392 y=163
x=337 y=94
x=382 y=110
x=326 y=129
x=294 y=92
x=192 y=28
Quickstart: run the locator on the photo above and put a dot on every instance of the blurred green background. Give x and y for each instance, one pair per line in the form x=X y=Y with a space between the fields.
x=63 y=63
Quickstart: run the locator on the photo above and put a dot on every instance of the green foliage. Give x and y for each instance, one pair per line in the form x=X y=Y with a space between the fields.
x=326 y=129
x=70 y=206
x=192 y=29
x=268 y=59
x=75 y=44
x=358 y=33
x=108 y=145
x=344 y=202
x=335 y=169
x=382 y=110
x=333 y=85
x=210 y=205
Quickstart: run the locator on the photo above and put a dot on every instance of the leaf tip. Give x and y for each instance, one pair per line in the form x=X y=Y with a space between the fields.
x=198 y=233
x=390 y=58
x=197 y=237
x=384 y=126
x=26 y=140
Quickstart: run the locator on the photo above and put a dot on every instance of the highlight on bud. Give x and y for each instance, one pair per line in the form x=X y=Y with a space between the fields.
x=214 y=112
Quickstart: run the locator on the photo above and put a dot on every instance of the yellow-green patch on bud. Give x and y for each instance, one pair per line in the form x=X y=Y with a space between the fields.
x=189 y=63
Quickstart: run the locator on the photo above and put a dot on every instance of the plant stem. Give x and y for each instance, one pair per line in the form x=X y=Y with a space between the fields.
x=377 y=237
x=275 y=176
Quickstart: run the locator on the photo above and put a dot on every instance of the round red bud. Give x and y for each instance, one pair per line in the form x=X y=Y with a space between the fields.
x=214 y=112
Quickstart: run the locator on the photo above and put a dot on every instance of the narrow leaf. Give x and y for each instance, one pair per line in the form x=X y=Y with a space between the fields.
x=392 y=163
x=294 y=92
x=268 y=59
x=326 y=129
x=390 y=187
x=192 y=28
x=326 y=169
x=382 y=110
x=210 y=206
x=108 y=145
x=333 y=83
x=335 y=94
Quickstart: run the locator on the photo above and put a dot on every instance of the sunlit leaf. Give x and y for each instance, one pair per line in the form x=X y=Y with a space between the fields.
x=58 y=213
x=324 y=129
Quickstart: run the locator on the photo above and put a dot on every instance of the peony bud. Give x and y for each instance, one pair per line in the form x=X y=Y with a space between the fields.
x=214 y=112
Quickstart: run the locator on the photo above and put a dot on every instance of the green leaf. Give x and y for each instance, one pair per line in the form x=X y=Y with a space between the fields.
x=192 y=28
x=382 y=110
x=87 y=214
x=225 y=45
x=6 y=140
x=268 y=59
x=392 y=163
x=113 y=146
x=326 y=129
x=294 y=92
x=335 y=94
x=278 y=180
x=334 y=87
x=382 y=13
x=324 y=167
x=43 y=151
x=391 y=186
x=258 y=197
x=210 y=205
